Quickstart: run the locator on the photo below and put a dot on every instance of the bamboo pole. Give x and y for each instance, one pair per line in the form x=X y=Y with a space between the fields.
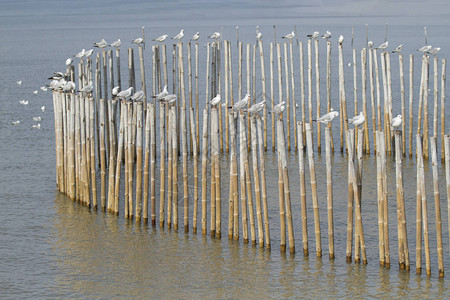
x=301 y=167
x=125 y=142
x=319 y=132
x=139 y=137
x=437 y=205
x=425 y=147
x=233 y=173
x=447 y=174
x=294 y=104
x=119 y=158
x=435 y=94
x=72 y=186
x=411 y=97
x=328 y=79
x=443 y=76
x=249 y=84
x=385 y=97
x=242 y=148
x=175 y=167
x=402 y=100
x=215 y=154
x=130 y=159
x=380 y=202
x=263 y=87
x=197 y=126
x=240 y=70
x=119 y=79
x=162 y=151
x=102 y=154
x=388 y=105
x=204 y=166
x=219 y=91
x=184 y=146
x=234 y=169
x=191 y=135
x=302 y=92
x=195 y=151
x=350 y=147
x=419 y=213
x=281 y=200
x=421 y=179
x=372 y=98
x=377 y=81
x=226 y=68
x=309 y=81
x=112 y=158
x=385 y=199
x=358 y=194
x=329 y=193
x=355 y=85
x=257 y=182
x=342 y=99
x=421 y=92
x=272 y=95
x=314 y=195
x=143 y=85
x=212 y=205
x=288 y=100
x=148 y=123
x=263 y=183
x=169 y=166
x=366 y=144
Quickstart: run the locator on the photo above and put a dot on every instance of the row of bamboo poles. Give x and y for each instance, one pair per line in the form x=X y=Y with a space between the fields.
x=125 y=135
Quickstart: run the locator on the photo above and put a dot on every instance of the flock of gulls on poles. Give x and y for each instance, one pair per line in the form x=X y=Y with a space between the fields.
x=59 y=80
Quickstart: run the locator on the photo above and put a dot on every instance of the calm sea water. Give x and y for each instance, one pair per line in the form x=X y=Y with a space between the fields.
x=51 y=247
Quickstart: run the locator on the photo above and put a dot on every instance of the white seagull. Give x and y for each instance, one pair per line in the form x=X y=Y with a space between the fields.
x=169 y=99
x=43 y=107
x=36 y=126
x=257 y=107
x=383 y=46
x=36 y=119
x=87 y=88
x=425 y=48
x=397 y=121
x=258 y=34
x=43 y=88
x=215 y=35
x=279 y=108
x=35 y=92
x=23 y=102
x=137 y=96
x=138 y=41
x=289 y=36
x=88 y=53
x=370 y=44
x=126 y=93
x=80 y=54
x=434 y=51
x=328 y=117
x=15 y=122
x=242 y=104
x=214 y=101
x=19 y=82
x=341 y=39
x=179 y=36
x=69 y=61
x=69 y=86
x=398 y=49
x=315 y=35
x=196 y=36
x=101 y=44
x=161 y=38
x=162 y=94
x=116 y=44
x=327 y=35
x=115 y=90
x=357 y=120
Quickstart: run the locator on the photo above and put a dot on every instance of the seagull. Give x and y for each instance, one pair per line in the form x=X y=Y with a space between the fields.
x=43 y=88
x=425 y=48
x=116 y=44
x=138 y=41
x=19 y=82
x=370 y=44
x=179 y=36
x=101 y=44
x=258 y=34
x=87 y=88
x=215 y=35
x=327 y=35
x=289 y=36
x=69 y=61
x=169 y=99
x=126 y=93
x=279 y=108
x=79 y=54
x=36 y=126
x=69 y=86
x=43 y=108
x=162 y=94
x=315 y=35
x=257 y=107
x=23 y=102
x=196 y=36
x=57 y=75
x=357 y=120
x=242 y=104
x=397 y=121
x=434 y=51
x=137 y=96
x=88 y=53
x=36 y=119
x=340 y=39
x=115 y=90
x=214 y=101
x=15 y=122
x=398 y=49
x=161 y=38
x=383 y=46
x=328 y=117
x=35 y=92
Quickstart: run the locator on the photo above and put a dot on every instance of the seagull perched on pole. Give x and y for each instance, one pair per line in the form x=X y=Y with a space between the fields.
x=398 y=49
x=279 y=108
x=357 y=120
x=257 y=107
x=88 y=53
x=328 y=117
x=289 y=36
x=340 y=39
x=69 y=61
x=116 y=44
x=425 y=48
x=80 y=54
x=179 y=36
x=241 y=104
x=115 y=90
x=383 y=46
x=215 y=35
x=314 y=36
x=370 y=44
x=196 y=36
x=161 y=38
x=162 y=94
x=101 y=44
x=169 y=99
x=327 y=35
x=126 y=93
x=138 y=95
x=434 y=51
x=214 y=101
x=397 y=121
x=87 y=88
x=138 y=41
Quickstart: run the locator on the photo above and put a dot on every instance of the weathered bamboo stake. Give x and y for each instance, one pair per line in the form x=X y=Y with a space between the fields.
x=418 y=216
x=385 y=199
x=411 y=97
x=227 y=130
x=355 y=86
x=71 y=161
x=402 y=99
x=388 y=104
x=119 y=79
x=380 y=201
x=294 y=104
x=301 y=167
x=126 y=169
x=242 y=148
x=98 y=96
x=302 y=91
x=435 y=93
x=287 y=98
x=85 y=147
x=359 y=170
x=110 y=69
x=215 y=156
x=319 y=132
x=212 y=205
x=82 y=152
x=425 y=147
x=191 y=136
x=253 y=86
x=314 y=195
x=165 y=70
x=197 y=125
x=329 y=90
x=385 y=97
x=162 y=151
x=234 y=178
x=342 y=100
x=139 y=137
x=112 y=157
x=437 y=205
x=329 y=193
x=175 y=167
x=421 y=179
x=377 y=81
x=257 y=182
x=119 y=157
x=401 y=217
x=78 y=181
x=447 y=173
x=102 y=154
x=158 y=75
x=249 y=84
x=443 y=75
x=272 y=95
x=248 y=183
x=281 y=201
x=309 y=82
x=366 y=144
x=92 y=151
x=143 y=85
x=230 y=74
x=58 y=130
x=213 y=69
x=263 y=86
x=233 y=173
x=185 y=170
x=204 y=166
x=421 y=92
x=352 y=177
x=130 y=162
x=263 y=182
x=207 y=72
x=195 y=152
x=240 y=70
x=169 y=167
x=372 y=98
x=146 y=164
x=351 y=169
